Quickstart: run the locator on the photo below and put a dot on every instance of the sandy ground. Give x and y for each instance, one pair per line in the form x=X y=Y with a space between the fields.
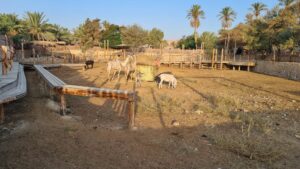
x=227 y=119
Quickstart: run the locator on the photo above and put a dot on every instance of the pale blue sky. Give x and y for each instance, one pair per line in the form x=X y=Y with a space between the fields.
x=167 y=15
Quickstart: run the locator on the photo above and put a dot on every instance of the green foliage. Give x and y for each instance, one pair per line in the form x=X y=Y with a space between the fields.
x=134 y=35
x=112 y=33
x=36 y=24
x=194 y=15
x=88 y=34
x=8 y=23
x=209 y=39
x=60 y=33
x=227 y=16
x=155 y=37
x=257 y=8
x=279 y=28
x=187 y=41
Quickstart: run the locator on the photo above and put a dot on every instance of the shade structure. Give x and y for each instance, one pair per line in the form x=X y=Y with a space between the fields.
x=121 y=46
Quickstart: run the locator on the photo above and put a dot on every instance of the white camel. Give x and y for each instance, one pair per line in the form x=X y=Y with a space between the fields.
x=130 y=68
x=116 y=66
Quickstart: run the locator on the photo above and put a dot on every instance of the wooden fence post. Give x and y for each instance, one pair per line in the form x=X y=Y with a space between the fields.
x=216 y=58
x=212 y=59
x=130 y=114
x=222 y=55
x=63 y=104
x=200 y=60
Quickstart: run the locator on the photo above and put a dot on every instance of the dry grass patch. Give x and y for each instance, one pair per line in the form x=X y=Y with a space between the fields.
x=259 y=147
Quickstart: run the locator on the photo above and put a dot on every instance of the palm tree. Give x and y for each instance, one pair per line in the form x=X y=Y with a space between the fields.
x=227 y=16
x=36 y=24
x=286 y=3
x=194 y=15
x=257 y=8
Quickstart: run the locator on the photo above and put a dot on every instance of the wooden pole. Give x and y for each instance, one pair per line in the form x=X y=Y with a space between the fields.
x=212 y=59
x=200 y=59
x=1 y=114
x=52 y=56
x=234 y=50
x=63 y=104
x=130 y=114
x=216 y=58
x=22 y=45
x=104 y=47
x=169 y=59
x=222 y=55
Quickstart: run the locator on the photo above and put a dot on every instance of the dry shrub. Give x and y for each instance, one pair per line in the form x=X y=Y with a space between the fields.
x=170 y=104
x=259 y=147
x=253 y=121
x=222 y=105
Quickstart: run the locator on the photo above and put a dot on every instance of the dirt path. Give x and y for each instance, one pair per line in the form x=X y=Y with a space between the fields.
x=210 y=106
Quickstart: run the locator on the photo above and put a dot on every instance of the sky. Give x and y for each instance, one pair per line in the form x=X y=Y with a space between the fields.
x=167 y=15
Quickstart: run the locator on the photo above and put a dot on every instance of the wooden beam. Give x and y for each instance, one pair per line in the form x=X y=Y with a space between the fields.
x=97 y=92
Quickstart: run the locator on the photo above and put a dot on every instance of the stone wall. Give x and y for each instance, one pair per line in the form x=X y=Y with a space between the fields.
x=288 y=70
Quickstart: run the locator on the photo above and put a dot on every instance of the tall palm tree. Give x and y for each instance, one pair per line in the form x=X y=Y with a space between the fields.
x=194 y=15
x=36 y=24
x=227 y=16
x=257 y=8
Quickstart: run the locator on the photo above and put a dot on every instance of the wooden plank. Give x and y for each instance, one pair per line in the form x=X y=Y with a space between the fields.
x=52 y=80
x=18 y=91
x=97 y=92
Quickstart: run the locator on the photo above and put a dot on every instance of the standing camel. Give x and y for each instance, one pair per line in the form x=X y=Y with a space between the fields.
x=130 y=68
x=4 y=59
x=116 y=66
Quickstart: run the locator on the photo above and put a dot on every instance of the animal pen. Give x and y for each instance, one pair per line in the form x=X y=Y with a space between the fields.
x=202 y=59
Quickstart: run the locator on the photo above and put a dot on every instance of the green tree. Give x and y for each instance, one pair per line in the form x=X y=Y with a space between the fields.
x=87 y=34
x=9 y=24
x=286 y=3
x=37 y=25
x=155 y=37
x=112 y=33
x=187 y=41
x=60 y=33
x=257 y=8
x=90 y=34
x=209 y=39
x=134 y=35
x=194 y=15
x=227 y=16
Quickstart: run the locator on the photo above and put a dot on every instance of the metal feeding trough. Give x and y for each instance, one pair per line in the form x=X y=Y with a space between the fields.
x=148 y=72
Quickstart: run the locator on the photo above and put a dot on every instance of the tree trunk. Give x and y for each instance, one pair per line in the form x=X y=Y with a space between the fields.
x=195 y=36
x=228 y=41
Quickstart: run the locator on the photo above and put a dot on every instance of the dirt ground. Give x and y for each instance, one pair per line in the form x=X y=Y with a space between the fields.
x=224 y=119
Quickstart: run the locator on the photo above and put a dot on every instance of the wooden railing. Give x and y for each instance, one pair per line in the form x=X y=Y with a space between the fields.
x=63 y=89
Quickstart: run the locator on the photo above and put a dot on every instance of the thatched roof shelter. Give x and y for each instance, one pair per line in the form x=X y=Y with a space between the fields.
x=47 y=43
